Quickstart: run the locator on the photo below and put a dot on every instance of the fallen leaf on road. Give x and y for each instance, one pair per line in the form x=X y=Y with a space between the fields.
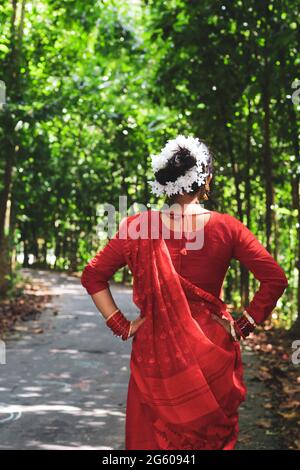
x=290 y=415
x=290 y=404
x=264 y=423
x=268 y=406
x=38 y=331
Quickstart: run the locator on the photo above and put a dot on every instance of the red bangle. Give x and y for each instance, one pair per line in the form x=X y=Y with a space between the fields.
x=119 y=325
x=243 y=326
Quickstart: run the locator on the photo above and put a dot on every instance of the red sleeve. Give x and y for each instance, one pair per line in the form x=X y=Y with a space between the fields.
x=252 y=254
x=101 y=268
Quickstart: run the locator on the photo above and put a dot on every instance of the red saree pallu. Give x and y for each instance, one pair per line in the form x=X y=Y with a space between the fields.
x=186 y=373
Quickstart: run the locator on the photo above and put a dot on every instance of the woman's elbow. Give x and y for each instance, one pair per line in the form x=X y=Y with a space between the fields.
x=86 y=276
x=282 y=279
x=285 y=281
x=92 y=281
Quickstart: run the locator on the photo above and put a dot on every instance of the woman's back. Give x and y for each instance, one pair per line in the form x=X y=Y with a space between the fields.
x=205 y=265
x=224 y=237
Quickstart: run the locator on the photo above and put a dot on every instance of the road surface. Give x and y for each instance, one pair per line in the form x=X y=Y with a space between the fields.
x=64 y=384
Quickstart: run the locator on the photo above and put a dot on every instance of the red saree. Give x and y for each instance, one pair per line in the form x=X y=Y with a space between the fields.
x=186 y=380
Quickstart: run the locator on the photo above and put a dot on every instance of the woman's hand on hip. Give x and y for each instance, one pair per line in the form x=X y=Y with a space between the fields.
x=135 y=324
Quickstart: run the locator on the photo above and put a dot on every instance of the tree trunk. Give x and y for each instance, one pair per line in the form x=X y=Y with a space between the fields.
x=296 y=205
x=234 y=166
x=9 y=143
x=268 y=167
x=244 y=271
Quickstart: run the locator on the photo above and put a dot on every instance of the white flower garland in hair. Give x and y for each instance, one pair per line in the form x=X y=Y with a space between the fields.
x=195 y=174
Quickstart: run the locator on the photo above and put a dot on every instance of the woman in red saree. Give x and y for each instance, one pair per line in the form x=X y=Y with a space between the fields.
x=186 y=380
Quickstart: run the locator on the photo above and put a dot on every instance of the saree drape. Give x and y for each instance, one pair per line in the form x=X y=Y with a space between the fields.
x=186 y=380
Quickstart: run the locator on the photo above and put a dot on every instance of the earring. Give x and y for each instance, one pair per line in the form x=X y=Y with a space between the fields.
x=206 y=191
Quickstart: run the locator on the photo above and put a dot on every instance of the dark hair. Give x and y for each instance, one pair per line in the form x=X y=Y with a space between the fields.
x=181 y=161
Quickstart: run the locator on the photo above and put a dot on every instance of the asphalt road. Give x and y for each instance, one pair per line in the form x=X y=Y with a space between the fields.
x=64 y=384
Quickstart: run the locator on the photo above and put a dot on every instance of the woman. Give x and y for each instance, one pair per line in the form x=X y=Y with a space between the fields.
x=186 y=380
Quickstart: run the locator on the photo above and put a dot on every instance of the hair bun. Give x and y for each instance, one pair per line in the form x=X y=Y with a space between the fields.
x=181 y=161
x=181 y=167
x=183 y=158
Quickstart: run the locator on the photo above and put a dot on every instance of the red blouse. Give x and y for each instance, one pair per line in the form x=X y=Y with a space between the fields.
x=225 y=237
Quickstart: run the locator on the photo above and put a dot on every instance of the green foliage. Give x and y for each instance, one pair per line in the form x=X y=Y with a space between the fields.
x=95 y=87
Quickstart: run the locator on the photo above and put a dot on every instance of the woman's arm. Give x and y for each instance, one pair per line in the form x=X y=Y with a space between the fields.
x=252 y=254
x=104 y=302
x=273 y=281
x=98 y=271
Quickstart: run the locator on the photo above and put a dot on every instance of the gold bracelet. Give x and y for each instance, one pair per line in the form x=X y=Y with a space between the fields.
x=249 y=318
x=112 y=314
x=129 y=330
